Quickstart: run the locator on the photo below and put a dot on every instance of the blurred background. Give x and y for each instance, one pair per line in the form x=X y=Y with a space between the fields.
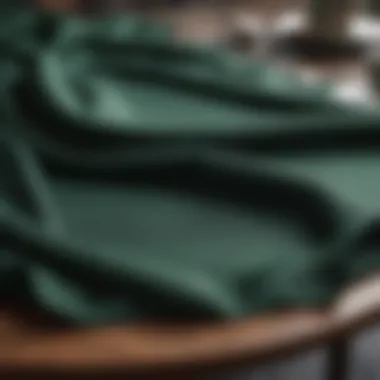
x=320 y=39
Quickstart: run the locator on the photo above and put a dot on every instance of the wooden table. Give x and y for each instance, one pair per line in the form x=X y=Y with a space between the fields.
x=34 y=342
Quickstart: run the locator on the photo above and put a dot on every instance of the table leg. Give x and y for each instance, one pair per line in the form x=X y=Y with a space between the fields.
x=338 y=360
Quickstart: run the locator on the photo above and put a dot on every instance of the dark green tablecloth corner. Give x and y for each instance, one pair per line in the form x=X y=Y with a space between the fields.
x=145 y=179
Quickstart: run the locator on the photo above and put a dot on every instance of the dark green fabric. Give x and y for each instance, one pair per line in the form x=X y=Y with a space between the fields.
x=145 y=179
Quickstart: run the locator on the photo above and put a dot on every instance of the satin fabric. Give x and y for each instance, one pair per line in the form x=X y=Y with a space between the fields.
x=145 y=179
